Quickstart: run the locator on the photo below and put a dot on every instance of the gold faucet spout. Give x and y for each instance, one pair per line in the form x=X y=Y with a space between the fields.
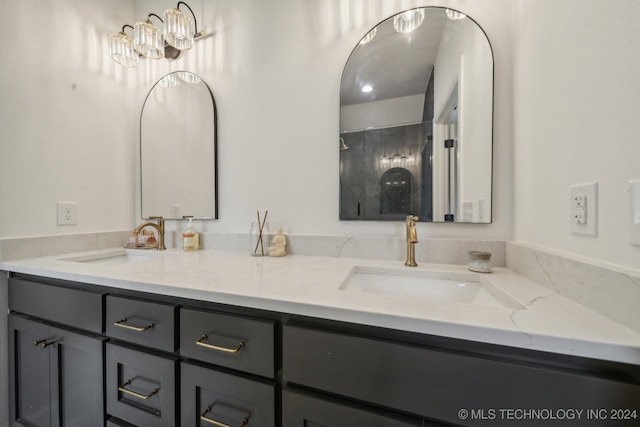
x=412 y=239
x=159 y=228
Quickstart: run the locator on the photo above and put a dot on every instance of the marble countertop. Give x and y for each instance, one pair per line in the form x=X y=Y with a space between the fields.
x=540 y=319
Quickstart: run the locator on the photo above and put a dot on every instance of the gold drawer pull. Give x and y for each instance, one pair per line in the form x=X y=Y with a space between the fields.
x=138 y=395
x=122 y=324
x=201 y=342
x=43 y=343
x=218 y=423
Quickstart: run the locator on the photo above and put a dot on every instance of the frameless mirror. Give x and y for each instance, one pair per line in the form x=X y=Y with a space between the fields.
x=416 y=117
x=178 y=149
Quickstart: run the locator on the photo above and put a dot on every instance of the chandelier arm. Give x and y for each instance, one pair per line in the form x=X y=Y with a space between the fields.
x=153 y=14
x=195 y=21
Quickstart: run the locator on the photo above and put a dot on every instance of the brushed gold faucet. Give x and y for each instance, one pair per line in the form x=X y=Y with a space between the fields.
x=159 y=227
x=412 y=239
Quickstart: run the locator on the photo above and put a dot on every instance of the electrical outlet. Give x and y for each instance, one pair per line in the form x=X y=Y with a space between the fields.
x=583 y=209
x=579 y=201
x=580 y=217
x=67 y=213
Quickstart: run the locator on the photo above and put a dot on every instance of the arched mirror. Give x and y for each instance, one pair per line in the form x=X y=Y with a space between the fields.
x=417 y=96
x=178 y=149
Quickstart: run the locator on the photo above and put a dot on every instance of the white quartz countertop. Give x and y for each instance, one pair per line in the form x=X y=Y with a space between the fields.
x=310 y=286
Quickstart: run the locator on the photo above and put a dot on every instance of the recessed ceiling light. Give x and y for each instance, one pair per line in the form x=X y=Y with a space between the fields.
x=367 y=88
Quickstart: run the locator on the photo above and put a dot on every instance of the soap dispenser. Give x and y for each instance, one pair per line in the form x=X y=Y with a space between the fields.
x=190 y=238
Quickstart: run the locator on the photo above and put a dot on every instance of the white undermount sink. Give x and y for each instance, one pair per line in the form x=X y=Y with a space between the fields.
x=117 y=256
x=444 y=286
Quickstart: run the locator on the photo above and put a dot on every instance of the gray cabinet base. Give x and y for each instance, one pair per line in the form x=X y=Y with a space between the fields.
x=210 y=396
x=55 y=376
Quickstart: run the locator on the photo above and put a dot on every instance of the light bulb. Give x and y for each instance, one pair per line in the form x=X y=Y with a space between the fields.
x=408 y=21
x=148 y=40
x=178 y=29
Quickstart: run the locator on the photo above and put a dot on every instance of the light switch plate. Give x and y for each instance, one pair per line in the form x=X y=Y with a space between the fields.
x=583 y=209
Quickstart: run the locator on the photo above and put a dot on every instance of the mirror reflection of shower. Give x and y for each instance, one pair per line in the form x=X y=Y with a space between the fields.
x=381 y=172
x=432 y=116
x=395 y=191
x=447 y=172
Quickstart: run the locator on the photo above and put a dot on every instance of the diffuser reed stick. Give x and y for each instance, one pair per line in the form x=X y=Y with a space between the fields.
x=260 y=228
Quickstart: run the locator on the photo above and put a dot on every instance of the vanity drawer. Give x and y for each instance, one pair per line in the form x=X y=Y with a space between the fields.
x=210 y=397
x=80 y=309
x=142 y=322
x=240 y=343
x=302 y=410
x=141 y=386
x=435 y=383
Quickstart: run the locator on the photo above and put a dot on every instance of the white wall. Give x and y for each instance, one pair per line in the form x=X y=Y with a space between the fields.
x=274 y=68
x=464 y=69
x=66 y=128
x=576 y=104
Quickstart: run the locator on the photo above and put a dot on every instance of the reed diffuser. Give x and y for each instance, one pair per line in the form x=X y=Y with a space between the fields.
x=259 y=235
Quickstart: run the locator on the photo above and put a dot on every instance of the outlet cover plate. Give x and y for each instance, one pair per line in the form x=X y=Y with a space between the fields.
x=67 y=213
x=583 y=209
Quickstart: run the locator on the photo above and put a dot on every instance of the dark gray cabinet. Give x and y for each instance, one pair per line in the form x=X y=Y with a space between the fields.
x=437 y=383
x=85 y=355
x=142 y=322
x=56 y=355
x=237 y=342
x=55 y=375
x=141 y=382
x=78 y=308
x=141 y=386
x=210 y=397
x=301 y=410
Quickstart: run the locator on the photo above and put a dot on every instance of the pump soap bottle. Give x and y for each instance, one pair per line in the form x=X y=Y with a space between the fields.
x=190 y=238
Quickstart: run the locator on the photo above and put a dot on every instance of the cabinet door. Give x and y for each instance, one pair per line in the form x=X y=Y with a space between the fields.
x=299 y=410
x=214 y=398
x=28 y=373
x=76 y=370
x=56 y=376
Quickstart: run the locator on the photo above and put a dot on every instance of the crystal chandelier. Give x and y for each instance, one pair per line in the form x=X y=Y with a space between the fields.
x=178 y=34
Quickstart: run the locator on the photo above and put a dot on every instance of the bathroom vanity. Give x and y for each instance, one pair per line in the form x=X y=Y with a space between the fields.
x=222 y=338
